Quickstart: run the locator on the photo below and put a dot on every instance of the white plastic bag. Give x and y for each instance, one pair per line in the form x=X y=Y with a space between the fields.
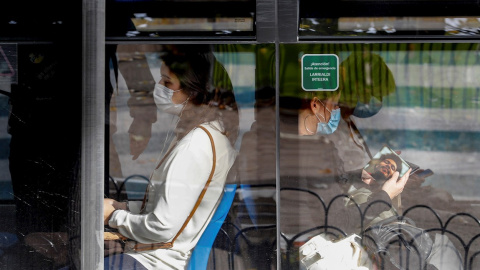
x=322 y=254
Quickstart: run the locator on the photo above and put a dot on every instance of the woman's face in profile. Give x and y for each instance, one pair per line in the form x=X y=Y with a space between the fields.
x=170 y=80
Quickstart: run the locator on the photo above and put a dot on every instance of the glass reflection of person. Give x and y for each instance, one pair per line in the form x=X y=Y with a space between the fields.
x=323 y=107
x=308 y=160
x=364 y=80
x=320 y=114
x=326 y=112
x=185 y=89
x=135 y=70
x=361 y=96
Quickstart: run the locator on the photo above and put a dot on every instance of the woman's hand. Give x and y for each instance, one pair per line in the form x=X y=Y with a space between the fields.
x=394 y=186
x=115 y=204
x=108 y=210
x=109 y=206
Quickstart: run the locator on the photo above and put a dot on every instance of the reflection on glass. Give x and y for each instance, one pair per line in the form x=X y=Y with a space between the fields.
x=148 y=24
x=141 y=132
x=370 y=26
x=40 y=113
x=153 y=19
x=418 y=99
x=390 y=18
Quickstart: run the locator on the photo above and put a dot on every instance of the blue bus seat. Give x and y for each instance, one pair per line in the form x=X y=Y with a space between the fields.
x=201 y=252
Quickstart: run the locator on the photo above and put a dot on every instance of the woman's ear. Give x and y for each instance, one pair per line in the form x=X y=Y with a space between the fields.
x=314 y=105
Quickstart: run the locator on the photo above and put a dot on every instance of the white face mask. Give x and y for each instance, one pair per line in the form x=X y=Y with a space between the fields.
x=163 y=98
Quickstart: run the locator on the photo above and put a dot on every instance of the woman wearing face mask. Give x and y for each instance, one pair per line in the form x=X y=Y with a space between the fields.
x=319 y=116
x=309 y=160
x=306 y=121
x=185 y=89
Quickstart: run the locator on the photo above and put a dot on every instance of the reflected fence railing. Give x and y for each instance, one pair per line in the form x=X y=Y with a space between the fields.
x=234 y=238
x=403 y=243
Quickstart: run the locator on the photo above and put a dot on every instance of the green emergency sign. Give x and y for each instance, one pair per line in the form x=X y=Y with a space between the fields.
x=320 y=72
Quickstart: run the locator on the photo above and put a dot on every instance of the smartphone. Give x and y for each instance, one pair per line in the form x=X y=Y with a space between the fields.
x=415 y=168
x=424 y=173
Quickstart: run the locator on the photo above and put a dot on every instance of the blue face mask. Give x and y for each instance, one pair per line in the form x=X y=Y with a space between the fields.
x=331 y=126
x=364 y=110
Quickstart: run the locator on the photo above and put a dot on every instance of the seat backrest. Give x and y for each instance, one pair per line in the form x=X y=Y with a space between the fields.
x=135 y=186
x=201 y=252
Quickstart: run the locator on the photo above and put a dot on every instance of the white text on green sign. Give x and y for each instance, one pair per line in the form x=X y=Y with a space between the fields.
x=320 y=72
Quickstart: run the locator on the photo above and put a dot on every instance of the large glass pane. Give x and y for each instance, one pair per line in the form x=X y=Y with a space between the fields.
x=143 y=127
x=420 y=100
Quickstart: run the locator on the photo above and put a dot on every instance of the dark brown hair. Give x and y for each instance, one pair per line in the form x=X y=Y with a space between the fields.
x=200 y=74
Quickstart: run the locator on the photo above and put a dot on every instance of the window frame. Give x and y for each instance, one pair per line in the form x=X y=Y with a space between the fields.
x=93 y=109
x=277 y=26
